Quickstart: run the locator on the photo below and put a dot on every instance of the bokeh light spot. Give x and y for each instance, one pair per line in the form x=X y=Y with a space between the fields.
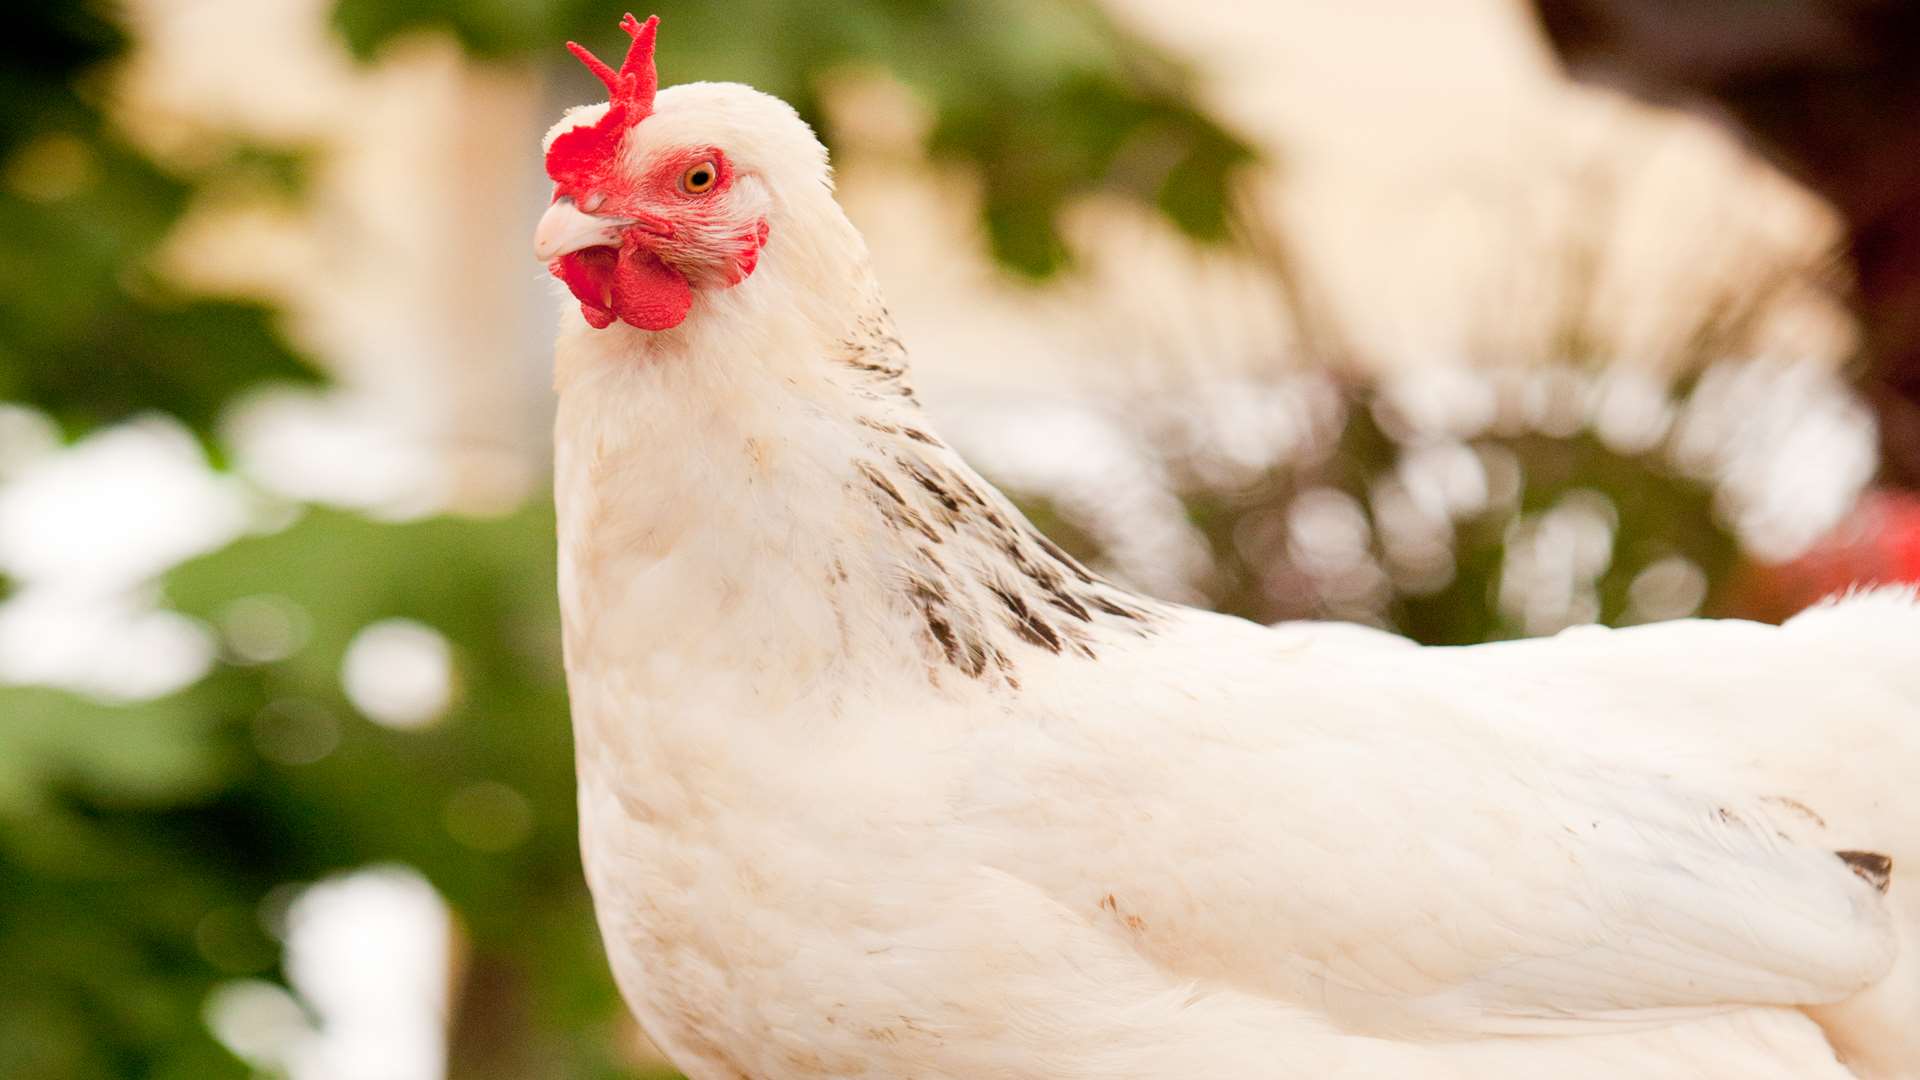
x=399 y=673
x=256 y=1020
x=54 y=167
x=295 y=731
x=1669 y=588
x=264 y=628
x=489 y=816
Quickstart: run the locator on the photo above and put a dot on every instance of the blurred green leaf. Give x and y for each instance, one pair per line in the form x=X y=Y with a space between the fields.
x=88 y=333
x=155 y=818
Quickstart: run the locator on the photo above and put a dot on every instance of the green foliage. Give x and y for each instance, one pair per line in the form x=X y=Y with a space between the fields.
x=1656 y=514
x=101 y=890
x=1045 y=102
x=168 y=823
x=88 y=332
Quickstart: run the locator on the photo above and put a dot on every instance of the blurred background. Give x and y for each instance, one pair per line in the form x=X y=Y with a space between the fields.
x=1472 y=319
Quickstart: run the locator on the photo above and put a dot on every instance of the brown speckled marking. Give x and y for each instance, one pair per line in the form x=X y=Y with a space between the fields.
x=875 y=355
x=895 y=507
x=1798 y=807
x=1003 y=586
x=1872 y=867
x=1131 y=921
x=1001 y=576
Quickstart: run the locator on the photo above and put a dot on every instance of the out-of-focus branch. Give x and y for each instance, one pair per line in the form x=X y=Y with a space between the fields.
x=488 y=1034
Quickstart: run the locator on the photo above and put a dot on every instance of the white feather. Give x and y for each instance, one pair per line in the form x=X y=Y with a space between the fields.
x=875 y=783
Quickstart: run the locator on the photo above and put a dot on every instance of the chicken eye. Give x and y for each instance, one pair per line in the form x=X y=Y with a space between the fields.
x=700 y=178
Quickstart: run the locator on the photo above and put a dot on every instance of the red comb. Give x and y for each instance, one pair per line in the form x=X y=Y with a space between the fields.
x=581 y=157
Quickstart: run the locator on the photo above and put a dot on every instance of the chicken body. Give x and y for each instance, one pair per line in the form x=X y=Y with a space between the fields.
x=877 y=782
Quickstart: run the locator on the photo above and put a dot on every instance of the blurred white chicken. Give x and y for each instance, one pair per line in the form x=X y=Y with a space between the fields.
x=875 y=781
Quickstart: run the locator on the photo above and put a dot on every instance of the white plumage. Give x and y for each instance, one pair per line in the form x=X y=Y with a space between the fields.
x=876 y=782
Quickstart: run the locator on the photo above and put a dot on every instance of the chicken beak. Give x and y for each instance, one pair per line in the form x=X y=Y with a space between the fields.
x=565 y=228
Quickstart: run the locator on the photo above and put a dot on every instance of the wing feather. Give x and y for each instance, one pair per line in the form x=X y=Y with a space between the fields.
x=1368 y=833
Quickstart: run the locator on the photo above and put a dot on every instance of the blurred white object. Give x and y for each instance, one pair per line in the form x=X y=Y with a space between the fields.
x=876 y=781
x=115 y=509
x=367 y=957
x=337 y=448
x=1788 y=446
x=368 y=954
x=82 y=531
x=115 y=647
x=399 y=673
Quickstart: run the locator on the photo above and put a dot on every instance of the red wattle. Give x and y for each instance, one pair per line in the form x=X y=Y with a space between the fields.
x=589 y=275
x=648 y=293
x=630 y=283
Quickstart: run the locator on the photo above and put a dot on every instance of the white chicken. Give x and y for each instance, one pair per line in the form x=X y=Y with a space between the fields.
x=875 y=781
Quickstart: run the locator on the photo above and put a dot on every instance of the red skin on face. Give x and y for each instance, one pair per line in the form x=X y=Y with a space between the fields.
x=633 y=282
x=747 y=255
x=588 y=274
